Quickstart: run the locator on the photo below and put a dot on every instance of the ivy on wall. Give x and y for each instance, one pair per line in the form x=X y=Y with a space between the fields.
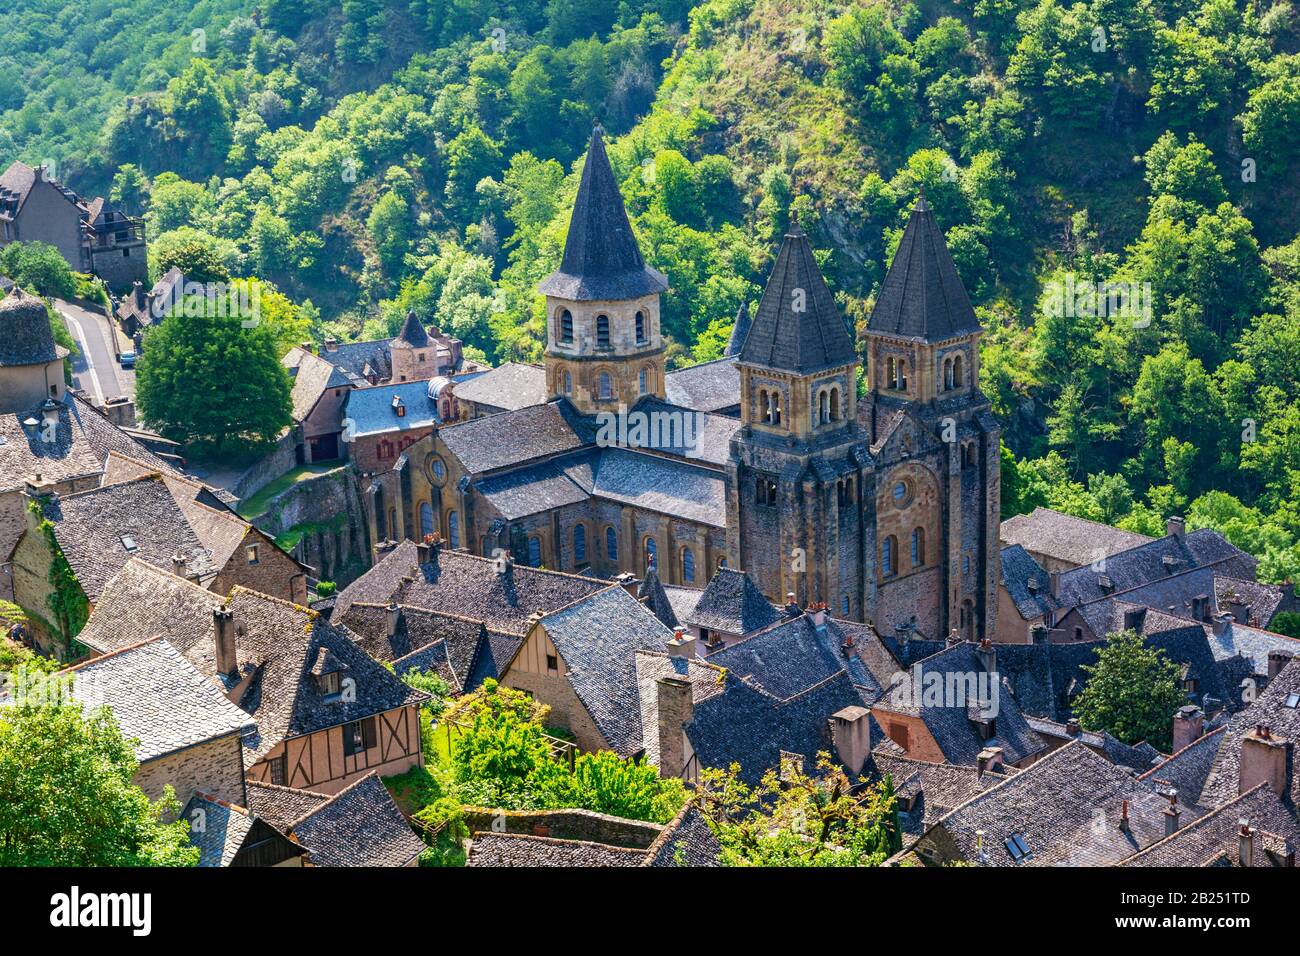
x=67 y=601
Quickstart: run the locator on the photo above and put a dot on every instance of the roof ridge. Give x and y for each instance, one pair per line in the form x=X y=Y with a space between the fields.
x=281 y=787
x=243 y=589
x=142 y=564
x=1203 y=818
x=152 y=476
x=114 y=653
x=1198 y=741
x=333 y=797
x=210 y=798
x=563 y=574
x=558 y=841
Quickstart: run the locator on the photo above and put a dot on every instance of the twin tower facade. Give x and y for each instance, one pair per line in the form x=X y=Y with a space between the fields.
x=880 y=501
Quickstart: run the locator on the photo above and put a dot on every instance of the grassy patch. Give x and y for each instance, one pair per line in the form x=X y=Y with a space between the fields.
x=256 y=505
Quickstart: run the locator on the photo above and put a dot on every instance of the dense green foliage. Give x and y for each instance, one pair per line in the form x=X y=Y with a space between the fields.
x=1131 y=691
x=793 y=818
x=211 y=382
x=38 y=268
x=69 y=799
x=378 y=156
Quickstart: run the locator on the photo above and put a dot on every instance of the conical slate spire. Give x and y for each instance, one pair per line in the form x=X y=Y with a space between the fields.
x=413 y=332
x=922 y=297
x=739 y=331
x=601 y=258
x=797 y=327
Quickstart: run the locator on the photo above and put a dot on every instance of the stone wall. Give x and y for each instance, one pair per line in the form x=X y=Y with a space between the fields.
x=565 y=825
x=215 y=767
x=273 y=572
x=327 y=515
x=281 y=460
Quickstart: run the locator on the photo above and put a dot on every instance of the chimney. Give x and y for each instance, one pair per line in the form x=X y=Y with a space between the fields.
x=309 y=347
x=392 y=618
x=1124 y=825
x=1054 y=582
x=1133 y=618
x=682 y=644
x=1263 y=760
x=1038 y=633
x=988 y=655
x=38 y=486
x=179 y=562
x=1277 y=660
x=954 y=637
x=627 y=580
x=223 y=636
x=120 y=410
x=1222 y=623
x=1072 y=727
x=792 y=605
x=817 y=614
x=1175 y=526
x=1201 y=607
x=989 y=760
x=383 y=549
x=1172 y=813
x=1245 y=843
x=851 y=735
x=1189 y=724
x=331 y=344
x=676 y=708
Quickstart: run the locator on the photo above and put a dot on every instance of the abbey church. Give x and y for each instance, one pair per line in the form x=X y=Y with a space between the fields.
x=882 y=506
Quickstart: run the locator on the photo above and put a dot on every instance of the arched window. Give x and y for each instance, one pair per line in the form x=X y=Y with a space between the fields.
x=566 y=326
x=902 y=375
x=611 y=544
x=453 y=529
x=846 y=605
x=823 y=408
x=947 y=374
x=688 y=565
x=568 y=384
x=775 y=398
x=643 y=382
x=887 y=549
x=918 y=548
x=640 y=328
x=426 y=519
x=606 y=385
x=535 y=552
x=579 y=544
x=958 y=376
x=650 y=551
x=764 y=409
x=835 y=404
x=722 y=560
x=602 y=331
x=891 y=372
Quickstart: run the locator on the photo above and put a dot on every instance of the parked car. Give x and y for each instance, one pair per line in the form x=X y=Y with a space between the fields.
x=128 y=359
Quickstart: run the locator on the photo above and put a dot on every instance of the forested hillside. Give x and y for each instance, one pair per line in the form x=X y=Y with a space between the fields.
x=378 y=155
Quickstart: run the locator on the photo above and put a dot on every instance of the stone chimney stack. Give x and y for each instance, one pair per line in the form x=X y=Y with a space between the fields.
x=1222 y=622
x=1263 y=760
x=1134 y=618
x=1038 y=633
x=1172 y=814
x=180 y=565
x=676 y=708
x=1245 y=843
x=1201 y=607
x=682 y=643
x=851 y=735
x=1175 y=526
x=383 y=549
x=817 y=614
x=627 y=580
x=223 y=639
x=1189 y=724
x=792 y=604
x=392 y=619
x=988 y=655
x=1054 y=583
x=989 y=760
x=1277 y=660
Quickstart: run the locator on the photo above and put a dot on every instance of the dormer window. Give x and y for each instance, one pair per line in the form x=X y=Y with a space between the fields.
x=329 y=684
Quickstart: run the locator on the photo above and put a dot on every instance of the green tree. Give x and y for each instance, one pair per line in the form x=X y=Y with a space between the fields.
x=68 y=796
x=390 y=228
x=1132 y=692
x=199 y=261
x=39 y=268
x=207 y=381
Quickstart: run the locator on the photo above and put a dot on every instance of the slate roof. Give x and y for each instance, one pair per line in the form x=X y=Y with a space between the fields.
x=1202 y=841
x=357 y=361
x=372 y=408
x=157 y=698
x=515 y=437
x=922 y=296
x=509 y=386
x=83 y=439
x=413 y=332
x=706 y=387
x=1147 y=563
x=1027 y=583
x=26 y=337
x=682 y=599
x=598 y=637
x=531 y=490
x=312 y=377
x=952 y=725
x=1269 y=709
x=651 y=592
x=665 y=485
x=686 y=840
x=144 y=600
x=223 y=832
x=601 y=257
x=281 y=806
x=804 y=341
x=709 y=441
x=733 y=604
x=17 y=182
x=1066 y=807
x=1174 y=594
x=937 y=787
x=1238 y=640
x=1066 y=537
x=739 y=331
x=358 y=826
x=1187 y=770
x=524 y=849
x=459 y=583
x=94 y=529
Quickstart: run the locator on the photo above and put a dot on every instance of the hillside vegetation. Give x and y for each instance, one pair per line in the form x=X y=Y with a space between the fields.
x=378 y=155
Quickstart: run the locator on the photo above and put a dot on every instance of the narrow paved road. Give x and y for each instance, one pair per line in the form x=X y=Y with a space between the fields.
x=96 y=369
